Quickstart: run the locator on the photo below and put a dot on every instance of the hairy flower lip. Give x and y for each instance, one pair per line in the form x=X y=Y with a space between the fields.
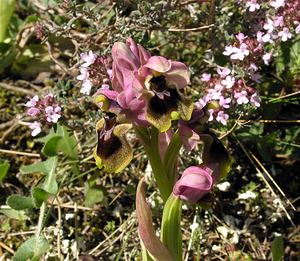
x=113 y=151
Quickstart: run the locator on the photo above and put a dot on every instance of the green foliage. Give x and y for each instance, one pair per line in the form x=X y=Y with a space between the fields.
x=6 y=10
x=4 y=167
x=19 y=203
x=32 y=249
x=13 y=214
x=93 y=194
x=277 y=248
x=171 y=234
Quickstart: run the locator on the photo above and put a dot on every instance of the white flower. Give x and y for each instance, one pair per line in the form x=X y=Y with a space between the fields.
x=240 y=53
x=285 y=34
x=86 y=87
x=222 y=117
x=278 y=21
x=267 y=58
x=224 y=102
x=228 y=50
x=267 y=38
x=84 y=74
x=214 y=94
x=53 y=114
x=297 y=29
x=253 y=5
x=241 y=37
x=241 y=97
x=32 y=102
x=277 y=3
x=219 y=87
x=211 y=114
x=202 y=102
x=224 y=186
x=269 y=25
x=229 y=81
x=247 y=195
x=255 y=100
x=88 y=58
x=205 y=77
x=223 y=71
x=36 y=128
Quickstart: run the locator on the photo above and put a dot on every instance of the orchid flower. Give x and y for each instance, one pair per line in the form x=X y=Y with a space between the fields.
x=113 y=152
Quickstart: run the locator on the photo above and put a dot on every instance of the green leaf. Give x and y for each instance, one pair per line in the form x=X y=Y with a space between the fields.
x=171 y=234
x=277 y=248
x=6 y=10
x=12 y=213
x=32 y=249
x=93 y=195
x=44 y=167
x=4 y=167
x=171 y=157
x=47 y=167
x=60 y=141
x=19 y=203
x=39 y=196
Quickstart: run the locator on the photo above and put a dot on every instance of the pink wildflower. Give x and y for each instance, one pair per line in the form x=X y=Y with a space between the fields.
x=36 y=128
x=285 y=34
x=223 y=71
x=205 y=77
x=222 y=117
x=252 y=5
x=241 y=97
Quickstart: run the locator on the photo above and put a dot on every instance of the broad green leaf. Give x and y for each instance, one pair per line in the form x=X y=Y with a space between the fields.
x=277 y=248
x=32 y=249
x=93 y=195
x=60 y=141
x=47 y=167
x=6 y=10
x=39 y=196
x=19 y=203
x=44 y=167
x=4 y=167
x=12 y=213
x=171 y=234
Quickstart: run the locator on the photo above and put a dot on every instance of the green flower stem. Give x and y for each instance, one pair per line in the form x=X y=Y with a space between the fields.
x=149 y=139
x=171 y=234
x=41 y=220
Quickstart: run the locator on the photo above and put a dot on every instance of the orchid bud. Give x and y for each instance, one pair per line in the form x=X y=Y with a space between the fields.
x=196 y=182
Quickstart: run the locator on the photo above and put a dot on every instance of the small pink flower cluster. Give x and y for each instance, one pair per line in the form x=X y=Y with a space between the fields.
x=228 y=91
x=248 y=53
x=282 y=18
x=95 y=71
x=45 y=111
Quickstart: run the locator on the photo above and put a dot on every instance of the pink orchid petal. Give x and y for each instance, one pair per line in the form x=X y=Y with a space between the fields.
x=178 y=75
x=159 y=64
